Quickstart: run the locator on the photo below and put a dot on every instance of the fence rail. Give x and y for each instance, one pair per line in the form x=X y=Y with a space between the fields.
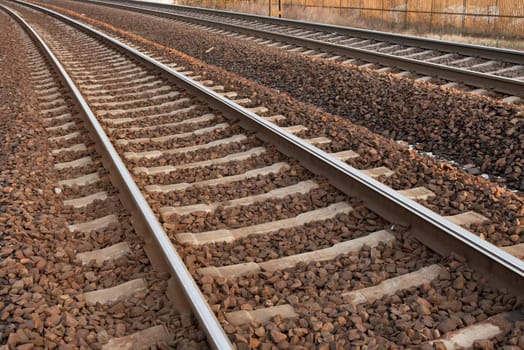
x=495 y=18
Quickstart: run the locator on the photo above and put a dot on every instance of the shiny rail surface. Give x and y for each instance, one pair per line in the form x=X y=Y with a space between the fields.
x=427 y=57
x=428 y=227
x=145 y=221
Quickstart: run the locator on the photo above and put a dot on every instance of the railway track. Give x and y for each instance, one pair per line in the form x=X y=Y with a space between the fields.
x=109 y=251
x=289 y=244
x=480 y=70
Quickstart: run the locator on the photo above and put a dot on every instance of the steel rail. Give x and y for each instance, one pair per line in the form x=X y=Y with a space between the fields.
x=504 y=85
x=136 y=203
x=507 y=55
x=434 y=231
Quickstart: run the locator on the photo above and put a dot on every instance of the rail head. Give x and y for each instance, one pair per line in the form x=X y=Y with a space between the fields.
x=140 y=209
x=509 y=55
x=427 y=226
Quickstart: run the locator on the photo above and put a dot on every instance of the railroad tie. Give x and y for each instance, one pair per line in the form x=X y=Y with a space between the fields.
x=264 y=315
x=67 y=137
x=55 y=110
x=93 y=225
x=58 y=118
x=109 y=92
x=226 y=235
x=139 y=340
x=490 y=328
x=467 y=219
x=392 y=285
x=404 y=74
x=302 y=187
x=65 y=126
x=511 y=99
x=378 y=172
x=114 y=104
x=49 y=96
x=44 y=82
x=82 y=202
x=426 y=78
x=47 y=91
x=112 y=294
x=352 y=246
x=165 y=138
x=46 y=105
x=480 y=92
x=203 y=118
x=417 y=193
x=317 y=141
x=77 y=163
x=516 y=250
x=107 y=88
x=109 y=253
x=166 y=169
x=45 y=86
x=229 y=140
x=126 y=111
x=117 y=121
x=275 y=168
x=83 y=180
x=450 y=85
x=229 y=94
x=108 y=97
x=79 y=147
x=160 y=153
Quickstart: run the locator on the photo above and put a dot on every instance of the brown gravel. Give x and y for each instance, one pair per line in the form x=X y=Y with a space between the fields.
x=457 y=298
x=466 y=129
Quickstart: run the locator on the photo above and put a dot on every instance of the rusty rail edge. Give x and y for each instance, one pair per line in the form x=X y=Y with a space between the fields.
x=430 y=228
x=133 y=199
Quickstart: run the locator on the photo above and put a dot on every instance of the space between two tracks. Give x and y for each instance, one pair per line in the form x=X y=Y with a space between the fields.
x=511 y=87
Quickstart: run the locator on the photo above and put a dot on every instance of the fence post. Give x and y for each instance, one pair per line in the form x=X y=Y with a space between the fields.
x=496 y=19
x=464 y=10
x=431 y=15
x=406 y=15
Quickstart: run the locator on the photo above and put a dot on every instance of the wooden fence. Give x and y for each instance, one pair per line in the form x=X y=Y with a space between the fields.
x=497 y=18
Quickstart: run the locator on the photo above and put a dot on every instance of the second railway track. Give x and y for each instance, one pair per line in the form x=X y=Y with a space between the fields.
x=290 y=245
x=446 y=63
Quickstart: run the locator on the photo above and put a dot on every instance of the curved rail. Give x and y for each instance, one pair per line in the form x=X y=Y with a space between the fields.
x=133 y=199
x=509 y=86
x=431 y=229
